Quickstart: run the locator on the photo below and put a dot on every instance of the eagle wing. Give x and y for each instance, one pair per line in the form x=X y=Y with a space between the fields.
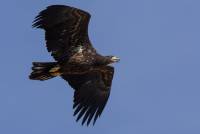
x=66 y=29
x=92 y=91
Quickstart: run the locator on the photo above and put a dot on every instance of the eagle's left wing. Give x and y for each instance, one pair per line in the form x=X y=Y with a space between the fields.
x=66 y=30
x=92 y=91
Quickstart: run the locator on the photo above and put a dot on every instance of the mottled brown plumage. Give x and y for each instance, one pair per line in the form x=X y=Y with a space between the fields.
x=77 y=62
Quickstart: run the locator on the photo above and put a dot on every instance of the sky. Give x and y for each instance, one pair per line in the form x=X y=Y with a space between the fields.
x=156 y=87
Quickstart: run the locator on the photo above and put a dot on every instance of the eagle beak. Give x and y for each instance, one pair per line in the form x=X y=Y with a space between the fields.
x=115 y=59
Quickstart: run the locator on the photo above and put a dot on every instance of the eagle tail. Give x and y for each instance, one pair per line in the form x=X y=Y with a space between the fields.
x=44 y=70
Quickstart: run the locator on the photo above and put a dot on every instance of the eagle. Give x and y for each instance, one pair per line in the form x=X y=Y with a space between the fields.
x=76 y=61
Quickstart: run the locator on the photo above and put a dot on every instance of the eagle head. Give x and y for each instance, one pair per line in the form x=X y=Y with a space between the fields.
x=113 y=59
x=106 y=60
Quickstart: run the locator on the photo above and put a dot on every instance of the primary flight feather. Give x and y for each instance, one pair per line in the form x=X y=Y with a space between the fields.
x=77 y=62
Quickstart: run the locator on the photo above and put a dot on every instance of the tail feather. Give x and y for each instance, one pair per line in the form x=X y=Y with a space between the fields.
x=44 y=70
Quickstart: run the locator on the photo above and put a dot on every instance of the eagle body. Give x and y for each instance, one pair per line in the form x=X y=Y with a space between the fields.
x=82 y=56
x=76 y=60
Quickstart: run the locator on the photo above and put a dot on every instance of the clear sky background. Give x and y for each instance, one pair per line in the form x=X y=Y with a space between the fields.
x=156 y=88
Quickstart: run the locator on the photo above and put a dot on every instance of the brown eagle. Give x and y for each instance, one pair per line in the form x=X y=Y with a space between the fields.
x=77 y=62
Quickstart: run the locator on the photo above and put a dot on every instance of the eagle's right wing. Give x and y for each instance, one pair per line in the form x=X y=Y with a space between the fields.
x=66 y=29
x=92 y=91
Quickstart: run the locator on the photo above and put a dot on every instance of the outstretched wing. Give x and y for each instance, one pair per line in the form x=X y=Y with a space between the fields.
x=92 y=91
x=66 y=29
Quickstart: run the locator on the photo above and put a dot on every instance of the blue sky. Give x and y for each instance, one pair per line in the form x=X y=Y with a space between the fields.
x=156 y=88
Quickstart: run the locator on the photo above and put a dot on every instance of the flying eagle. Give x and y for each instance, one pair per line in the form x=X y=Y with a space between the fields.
x=77 y=62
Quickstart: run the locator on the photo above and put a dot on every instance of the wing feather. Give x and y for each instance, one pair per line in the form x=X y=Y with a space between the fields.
x=91 y=94
x=65 y=29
